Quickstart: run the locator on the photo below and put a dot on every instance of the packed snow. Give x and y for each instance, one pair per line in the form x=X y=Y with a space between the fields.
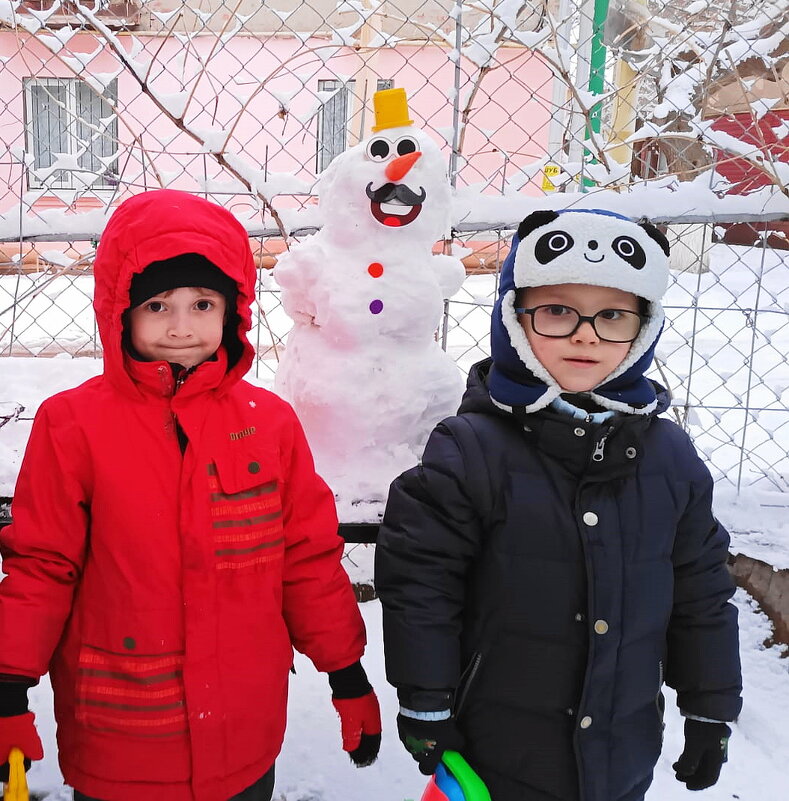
x=361 y=365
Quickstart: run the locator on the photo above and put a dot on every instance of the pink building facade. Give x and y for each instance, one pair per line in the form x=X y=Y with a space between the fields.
x=275 y=107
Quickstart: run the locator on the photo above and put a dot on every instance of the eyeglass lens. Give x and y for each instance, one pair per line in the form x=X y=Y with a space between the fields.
x=613 y=325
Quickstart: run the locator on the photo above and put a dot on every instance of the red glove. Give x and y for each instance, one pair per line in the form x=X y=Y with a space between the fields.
x=18 y=731
x=360 y=722
x=360 y=716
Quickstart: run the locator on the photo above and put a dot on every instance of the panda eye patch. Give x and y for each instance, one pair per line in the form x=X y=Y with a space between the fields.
x=551 y=245
x=628 y=249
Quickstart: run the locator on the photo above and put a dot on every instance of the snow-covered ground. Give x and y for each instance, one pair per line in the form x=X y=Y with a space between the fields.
x=312 y=766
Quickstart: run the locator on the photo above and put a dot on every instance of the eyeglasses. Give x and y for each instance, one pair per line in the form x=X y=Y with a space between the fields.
x=610 y=325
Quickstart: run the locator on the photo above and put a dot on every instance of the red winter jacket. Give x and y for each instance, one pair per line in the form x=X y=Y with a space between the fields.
x=164 y=591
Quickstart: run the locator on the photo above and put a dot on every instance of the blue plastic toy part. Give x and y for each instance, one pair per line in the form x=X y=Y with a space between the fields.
x=454 y=780
x=448 y=784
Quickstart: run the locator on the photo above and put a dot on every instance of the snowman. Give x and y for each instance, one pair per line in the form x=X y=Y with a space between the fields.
x=362 y=366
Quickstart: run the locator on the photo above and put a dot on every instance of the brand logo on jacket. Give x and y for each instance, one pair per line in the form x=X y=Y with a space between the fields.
x=245 y=432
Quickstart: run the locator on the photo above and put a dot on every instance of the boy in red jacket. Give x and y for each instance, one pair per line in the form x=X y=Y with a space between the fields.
x=171 y=541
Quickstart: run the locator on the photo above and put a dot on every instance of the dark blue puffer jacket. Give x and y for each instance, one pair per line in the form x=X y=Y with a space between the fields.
x=552 y=574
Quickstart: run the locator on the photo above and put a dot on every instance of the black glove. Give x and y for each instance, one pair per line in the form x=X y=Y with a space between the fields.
x=16 y=723
x=426 y=740
x=706 y=749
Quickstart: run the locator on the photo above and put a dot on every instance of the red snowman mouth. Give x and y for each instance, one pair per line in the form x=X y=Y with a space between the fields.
x=395 y=215
x=395 y=205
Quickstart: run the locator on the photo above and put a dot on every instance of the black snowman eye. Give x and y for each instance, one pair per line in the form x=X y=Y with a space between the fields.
x=406 y=145
x=378 y=149
x=628 y=249
x=551 y=245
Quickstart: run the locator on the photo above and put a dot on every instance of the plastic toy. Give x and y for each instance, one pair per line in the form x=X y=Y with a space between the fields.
x=455 y=780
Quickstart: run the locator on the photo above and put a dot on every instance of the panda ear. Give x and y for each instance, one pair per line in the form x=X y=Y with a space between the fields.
x=535 y=220
x=655 y=234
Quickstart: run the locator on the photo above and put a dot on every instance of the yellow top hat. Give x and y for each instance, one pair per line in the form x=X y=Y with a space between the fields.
x=391 y=109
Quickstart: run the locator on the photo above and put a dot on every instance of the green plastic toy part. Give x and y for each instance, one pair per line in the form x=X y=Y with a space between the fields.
x=473 y=787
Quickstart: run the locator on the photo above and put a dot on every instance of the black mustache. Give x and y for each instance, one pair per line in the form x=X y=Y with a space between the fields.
x=389 y=192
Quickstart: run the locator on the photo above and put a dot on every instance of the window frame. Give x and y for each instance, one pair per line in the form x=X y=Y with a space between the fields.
x=74 y=114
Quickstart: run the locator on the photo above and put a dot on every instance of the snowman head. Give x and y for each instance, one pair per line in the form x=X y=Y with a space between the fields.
x=390 y=187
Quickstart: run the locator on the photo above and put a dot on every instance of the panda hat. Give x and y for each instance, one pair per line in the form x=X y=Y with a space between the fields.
x=594 y=247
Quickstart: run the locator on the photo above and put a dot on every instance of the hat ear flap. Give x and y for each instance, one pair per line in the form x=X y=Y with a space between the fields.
x=535 y=220
x=655 y=234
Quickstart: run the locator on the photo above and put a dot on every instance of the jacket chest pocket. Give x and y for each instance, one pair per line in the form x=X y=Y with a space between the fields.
x=246 y=511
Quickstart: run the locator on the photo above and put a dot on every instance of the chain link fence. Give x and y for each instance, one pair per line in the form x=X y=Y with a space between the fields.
x=676 y=111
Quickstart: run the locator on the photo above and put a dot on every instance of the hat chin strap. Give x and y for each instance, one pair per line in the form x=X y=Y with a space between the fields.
x=648 y=334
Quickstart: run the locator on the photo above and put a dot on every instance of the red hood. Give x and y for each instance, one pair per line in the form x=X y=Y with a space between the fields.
x=158 y=225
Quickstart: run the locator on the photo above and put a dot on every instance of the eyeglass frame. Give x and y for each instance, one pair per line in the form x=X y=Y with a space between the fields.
x=582 y=318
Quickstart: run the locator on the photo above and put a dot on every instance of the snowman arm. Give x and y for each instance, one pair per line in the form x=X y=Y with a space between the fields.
x=296 y=273
x=450 y=273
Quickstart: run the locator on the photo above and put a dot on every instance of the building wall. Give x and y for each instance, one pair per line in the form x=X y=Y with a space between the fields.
x=262 y=92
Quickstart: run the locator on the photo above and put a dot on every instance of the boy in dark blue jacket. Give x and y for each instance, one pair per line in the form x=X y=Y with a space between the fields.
x=554 y=559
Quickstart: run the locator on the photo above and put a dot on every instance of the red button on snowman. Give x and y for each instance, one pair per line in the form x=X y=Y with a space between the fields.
x=362 y=366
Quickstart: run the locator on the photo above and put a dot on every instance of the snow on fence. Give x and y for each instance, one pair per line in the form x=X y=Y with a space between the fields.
x=677 y=111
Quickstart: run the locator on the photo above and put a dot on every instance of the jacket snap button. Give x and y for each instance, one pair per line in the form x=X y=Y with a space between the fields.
x=579 y=432
x=600 y=627
x=580 y=617
x=586 y=722
x=253 y=467
x=590 y=518
x=630 y=453
x=129 y=643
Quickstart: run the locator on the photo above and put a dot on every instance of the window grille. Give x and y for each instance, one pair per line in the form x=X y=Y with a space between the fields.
x=333 y=121
x=66 y=118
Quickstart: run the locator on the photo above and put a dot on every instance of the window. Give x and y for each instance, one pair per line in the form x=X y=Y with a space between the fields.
x=333 y=121
x=118 y=14
x=65 y=6
x=334 y=116
x=65 y=117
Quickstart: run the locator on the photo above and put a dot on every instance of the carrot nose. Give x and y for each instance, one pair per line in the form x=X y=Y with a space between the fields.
x=397 y=169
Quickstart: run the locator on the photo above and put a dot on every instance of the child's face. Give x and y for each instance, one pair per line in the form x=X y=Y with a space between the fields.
x=579 y=362
x=182 y=325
